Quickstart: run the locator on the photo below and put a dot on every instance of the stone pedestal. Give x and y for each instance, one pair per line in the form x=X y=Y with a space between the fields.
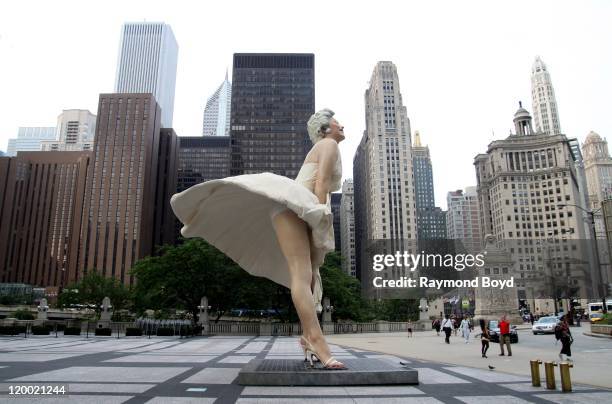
x=292 y=372
x=265 y=328
x=106 y=313
x=42 y=315
x=326 y=317
x=424 y=323
x=203 y=319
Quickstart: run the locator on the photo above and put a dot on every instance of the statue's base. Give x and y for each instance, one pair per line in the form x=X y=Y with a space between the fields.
x=294 y=372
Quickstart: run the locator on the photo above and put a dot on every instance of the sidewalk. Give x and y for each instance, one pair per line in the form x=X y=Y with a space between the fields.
x=590 y=368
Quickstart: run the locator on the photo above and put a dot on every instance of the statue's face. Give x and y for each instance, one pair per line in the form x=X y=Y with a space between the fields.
x=336 y=130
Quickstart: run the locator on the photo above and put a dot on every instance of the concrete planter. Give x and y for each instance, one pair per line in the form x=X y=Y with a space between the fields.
x=601 y=329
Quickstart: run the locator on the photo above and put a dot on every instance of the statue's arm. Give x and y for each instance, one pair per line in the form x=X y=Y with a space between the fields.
x=328 y=154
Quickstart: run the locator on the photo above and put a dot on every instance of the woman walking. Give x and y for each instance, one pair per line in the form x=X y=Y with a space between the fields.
x=485 y=337
x=465 y=329
x=566 y=340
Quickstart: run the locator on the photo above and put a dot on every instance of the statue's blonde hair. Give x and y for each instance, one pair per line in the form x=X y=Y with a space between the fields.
x=318 y=124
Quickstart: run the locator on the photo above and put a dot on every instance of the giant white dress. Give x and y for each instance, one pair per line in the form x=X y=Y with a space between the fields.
x=235 y=215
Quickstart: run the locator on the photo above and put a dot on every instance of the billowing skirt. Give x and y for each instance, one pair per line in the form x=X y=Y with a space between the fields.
x=234 y=215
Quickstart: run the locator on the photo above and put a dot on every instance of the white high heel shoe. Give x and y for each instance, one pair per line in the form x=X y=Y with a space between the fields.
x=303 y=345
x=330 y=364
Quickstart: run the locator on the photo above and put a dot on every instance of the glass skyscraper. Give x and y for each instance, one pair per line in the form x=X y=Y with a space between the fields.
x=147 y=64
x=217 y=111
x=273 y=96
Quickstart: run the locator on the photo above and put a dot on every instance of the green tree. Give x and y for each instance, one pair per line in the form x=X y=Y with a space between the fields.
x=92 y=289
x=181 y=275
x=343 y=291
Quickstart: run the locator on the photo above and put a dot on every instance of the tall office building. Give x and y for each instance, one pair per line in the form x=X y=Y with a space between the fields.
x=431 y=220
x=40 y=216
x=383 y=177
x=127 y=210
x=200 y=159
x=347 y=228
x=148 y=55
x=598 y=173
x=217 y=111
x=546 y=115
x=463 y=219
x=273 y=96
x=29 y=139
x=75 y=130
x=335 y=201
x=2 y=153
x=598 y=169
x=527 y=189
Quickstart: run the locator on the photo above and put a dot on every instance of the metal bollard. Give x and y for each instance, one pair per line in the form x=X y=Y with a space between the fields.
x=535 y=372
x=566 y=382
x=549 y=370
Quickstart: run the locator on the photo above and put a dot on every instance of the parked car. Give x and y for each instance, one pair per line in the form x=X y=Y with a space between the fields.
x=545 y=325
x=494 y=332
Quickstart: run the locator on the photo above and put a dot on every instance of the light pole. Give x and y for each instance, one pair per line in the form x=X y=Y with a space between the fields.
x=591 y=213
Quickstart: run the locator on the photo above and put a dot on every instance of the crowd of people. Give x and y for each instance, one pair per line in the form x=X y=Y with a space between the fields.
x=451 y=324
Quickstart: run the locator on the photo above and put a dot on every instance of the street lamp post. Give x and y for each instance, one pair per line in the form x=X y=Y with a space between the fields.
x=591 y=213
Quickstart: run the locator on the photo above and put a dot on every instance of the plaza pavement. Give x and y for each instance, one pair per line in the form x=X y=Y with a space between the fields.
x=592 y=356
x=204 y=370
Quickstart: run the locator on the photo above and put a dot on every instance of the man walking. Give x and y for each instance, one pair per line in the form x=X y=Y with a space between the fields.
x=447 y=326
x=504 y=336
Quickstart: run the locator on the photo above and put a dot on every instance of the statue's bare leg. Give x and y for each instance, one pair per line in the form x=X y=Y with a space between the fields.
x=293 y=238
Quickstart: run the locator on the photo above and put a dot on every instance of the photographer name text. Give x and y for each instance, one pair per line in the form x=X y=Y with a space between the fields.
x=425 y=282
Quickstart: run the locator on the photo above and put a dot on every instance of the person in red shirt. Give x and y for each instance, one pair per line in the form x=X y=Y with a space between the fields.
x=504 y=336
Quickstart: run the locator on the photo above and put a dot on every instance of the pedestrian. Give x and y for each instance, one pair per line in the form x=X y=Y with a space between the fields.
x=436 y=326
x=562 y=332
x=465 y=329
x=531 y=318
x=504 y=335
x=447 y=327
x=455 y=325
x=485 y=337
x=578 y=317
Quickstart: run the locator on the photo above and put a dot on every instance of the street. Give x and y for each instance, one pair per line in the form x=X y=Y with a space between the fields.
x=592 y=356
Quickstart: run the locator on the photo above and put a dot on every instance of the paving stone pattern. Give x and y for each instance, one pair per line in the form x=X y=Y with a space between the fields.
x=204 y=370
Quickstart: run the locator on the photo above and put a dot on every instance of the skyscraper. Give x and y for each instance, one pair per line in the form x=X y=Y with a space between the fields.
x=546 y=115
x=75 y=130
x=383 y=184
x=217 y=111
x=431 y=221
x=40 y=216
x=273 y=96
x=463 y=219
x=527 y=192
x=147 y=61
x=200 y=159
x=29 y=139
x=598 y=168
x=347 y=228
x=335 y=201
x=128 y=186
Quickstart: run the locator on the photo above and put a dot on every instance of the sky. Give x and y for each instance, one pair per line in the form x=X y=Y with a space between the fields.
x=463 y=65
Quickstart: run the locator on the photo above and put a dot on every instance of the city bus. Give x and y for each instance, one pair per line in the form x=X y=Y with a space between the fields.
x=596 y=307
